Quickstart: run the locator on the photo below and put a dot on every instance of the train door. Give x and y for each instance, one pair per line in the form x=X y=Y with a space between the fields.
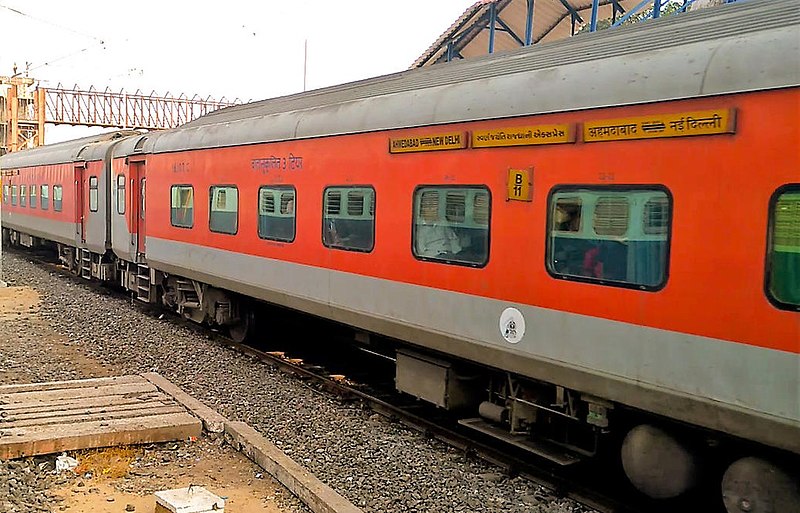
x=141 y=231
x=80 y=196
x=138 y=182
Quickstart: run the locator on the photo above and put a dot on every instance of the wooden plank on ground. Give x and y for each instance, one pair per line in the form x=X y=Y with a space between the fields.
x=90 y=417
x=85 y=402
x=44 y=418
x=72 y=411
x=128 y=390
x=213 y=422
x=52 y=439
x=64 y=385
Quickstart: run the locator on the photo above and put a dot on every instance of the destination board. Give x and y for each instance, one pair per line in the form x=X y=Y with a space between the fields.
x=701 y=122
x=523 y=136
x=433 y=142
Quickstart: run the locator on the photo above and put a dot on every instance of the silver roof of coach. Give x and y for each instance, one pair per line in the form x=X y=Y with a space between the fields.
x=740 y=47
x=83 y=149
x=133 y=145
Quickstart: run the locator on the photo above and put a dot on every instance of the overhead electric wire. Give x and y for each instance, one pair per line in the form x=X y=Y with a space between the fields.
x=62 y=27
x=47 y=22
x=67 y=56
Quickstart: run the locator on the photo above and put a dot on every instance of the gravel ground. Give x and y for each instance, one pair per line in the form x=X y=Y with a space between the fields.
x=378 y=465
x=24 y=485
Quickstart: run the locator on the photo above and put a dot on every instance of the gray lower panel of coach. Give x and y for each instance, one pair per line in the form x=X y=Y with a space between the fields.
x=736 y=388
x=49 y=229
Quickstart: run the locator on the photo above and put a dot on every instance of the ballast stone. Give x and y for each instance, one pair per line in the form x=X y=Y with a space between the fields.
x=194 y=499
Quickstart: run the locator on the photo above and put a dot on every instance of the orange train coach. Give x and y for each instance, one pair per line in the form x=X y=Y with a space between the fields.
x=604 y=237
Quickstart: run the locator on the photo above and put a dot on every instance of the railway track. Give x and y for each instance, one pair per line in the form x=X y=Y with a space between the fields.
x=509 y=464
x=594 y=493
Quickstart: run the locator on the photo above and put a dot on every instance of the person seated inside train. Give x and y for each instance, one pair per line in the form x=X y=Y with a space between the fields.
x=567 y=257
x=593 y=263
x=567 y=217
x=348 y=233
x=182 y=216
x=433 y=239
x=334 y=233
x=436 y=240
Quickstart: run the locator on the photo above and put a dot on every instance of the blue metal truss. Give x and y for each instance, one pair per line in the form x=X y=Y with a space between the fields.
x=658 y=6
x=495 y=19
x=617 y=9
x=454 y=42
x=630 y=13
x=491 y=19
x=529 y=24
x=595 y=8
x=509 y=31
x=574 y=16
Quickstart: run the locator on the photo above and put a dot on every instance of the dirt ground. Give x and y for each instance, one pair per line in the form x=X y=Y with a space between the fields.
x=109 y=483
x=118 y=479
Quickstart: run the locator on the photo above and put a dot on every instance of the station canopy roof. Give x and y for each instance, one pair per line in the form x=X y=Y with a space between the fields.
x=469 y=35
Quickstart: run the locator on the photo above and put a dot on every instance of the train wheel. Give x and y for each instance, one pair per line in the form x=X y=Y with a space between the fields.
x=657 y=464
x=753 y=485
x=244 y=327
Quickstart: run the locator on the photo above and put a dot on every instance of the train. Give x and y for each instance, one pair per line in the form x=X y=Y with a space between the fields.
x=577 y=245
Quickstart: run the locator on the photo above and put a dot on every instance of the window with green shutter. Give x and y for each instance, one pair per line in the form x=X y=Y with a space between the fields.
x=783 y=257
x=610 y=235
x=276 y=213
x=348 y=220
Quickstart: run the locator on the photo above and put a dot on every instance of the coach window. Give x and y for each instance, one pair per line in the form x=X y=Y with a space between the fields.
x=57 y=195
x=276 y=213
x=609 y=235
x=182 y=206
x=783 y=249
x=13 y=194
x=44 y=197
x=142 y=196
x=93 y=193
x=5 y=193
x=23 y=195
x=33 y=201
x=224 y=209
x=451 y=224
x=120 y=194
x=348 y=220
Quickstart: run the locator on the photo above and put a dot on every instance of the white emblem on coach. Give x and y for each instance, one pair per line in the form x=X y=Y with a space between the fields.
x=512 y=325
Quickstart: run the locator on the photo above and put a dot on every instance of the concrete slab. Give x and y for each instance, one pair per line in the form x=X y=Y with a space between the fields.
x=194 y=499
x=44 y=418
x=319 y=497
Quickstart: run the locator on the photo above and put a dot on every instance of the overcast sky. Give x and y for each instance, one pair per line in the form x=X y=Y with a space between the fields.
x=234 y=48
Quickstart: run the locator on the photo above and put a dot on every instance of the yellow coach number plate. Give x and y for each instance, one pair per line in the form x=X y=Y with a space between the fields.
x=519 y=184
x=435 y=142
x=702 y=122
x=523 y=136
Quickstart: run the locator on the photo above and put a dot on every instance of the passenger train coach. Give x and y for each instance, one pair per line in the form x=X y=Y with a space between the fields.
x=587 y=244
